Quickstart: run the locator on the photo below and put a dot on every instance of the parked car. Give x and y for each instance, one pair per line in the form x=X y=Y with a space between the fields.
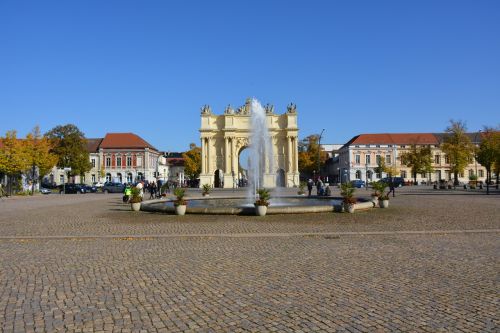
x=97 y=184
x=45 y=190
x=358 y=183
x=110 y=187
x=48 y=185
x=89 y=188
x=398 y=181
x=71 y=189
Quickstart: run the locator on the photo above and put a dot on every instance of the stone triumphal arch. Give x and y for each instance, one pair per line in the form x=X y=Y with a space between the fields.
x=224 y=137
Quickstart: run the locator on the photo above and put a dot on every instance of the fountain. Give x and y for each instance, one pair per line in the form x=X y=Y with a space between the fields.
x=261 y=173
x=260 y=168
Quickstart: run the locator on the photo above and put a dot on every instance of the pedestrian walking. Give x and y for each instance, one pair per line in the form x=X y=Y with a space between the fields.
x=310 y=185
x=319 y=187
x=392 y=188
x=127 y=193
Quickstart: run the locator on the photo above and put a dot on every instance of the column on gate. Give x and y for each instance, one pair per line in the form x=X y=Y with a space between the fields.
x=203 y=154
x=290 y=160
x=296 y=157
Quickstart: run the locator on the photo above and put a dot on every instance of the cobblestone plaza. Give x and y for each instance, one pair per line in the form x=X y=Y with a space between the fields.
x=86 y=263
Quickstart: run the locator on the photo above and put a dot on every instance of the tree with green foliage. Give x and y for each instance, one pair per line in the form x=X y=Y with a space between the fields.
x=390 y=170
x=309 y=152
x=458 y=148
x=488 y=152
x=39 y=157
x=70 y=147
x=192 y=162
x=13 y=159
x=418 y=158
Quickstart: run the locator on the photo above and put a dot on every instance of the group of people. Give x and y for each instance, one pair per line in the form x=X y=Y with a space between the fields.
x=155 y=189
x=321 y=188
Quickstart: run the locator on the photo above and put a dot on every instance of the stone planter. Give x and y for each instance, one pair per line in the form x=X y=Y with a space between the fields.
x=136 y=206
x=383 y=203
x=260 y=210
x=350 y=208
x=180 y=210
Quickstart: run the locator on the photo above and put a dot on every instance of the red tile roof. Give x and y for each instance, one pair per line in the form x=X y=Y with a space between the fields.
x=394 y=138
x=175 y=161
x=93 y=145
x=125 y=140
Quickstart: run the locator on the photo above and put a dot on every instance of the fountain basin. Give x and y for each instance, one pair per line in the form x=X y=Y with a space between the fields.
x=242 y=206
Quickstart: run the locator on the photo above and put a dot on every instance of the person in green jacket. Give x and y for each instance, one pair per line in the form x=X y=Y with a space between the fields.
x=127 y=193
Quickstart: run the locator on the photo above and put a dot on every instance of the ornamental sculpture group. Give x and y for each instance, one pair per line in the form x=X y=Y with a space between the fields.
x=223 y=138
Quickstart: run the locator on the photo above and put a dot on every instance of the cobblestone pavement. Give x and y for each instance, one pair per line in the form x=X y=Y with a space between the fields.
x=299 y=273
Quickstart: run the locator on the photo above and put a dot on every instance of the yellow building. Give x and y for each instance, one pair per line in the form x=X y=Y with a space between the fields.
x=359 y=156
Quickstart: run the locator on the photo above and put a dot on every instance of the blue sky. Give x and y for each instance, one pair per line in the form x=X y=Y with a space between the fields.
x=148 y=66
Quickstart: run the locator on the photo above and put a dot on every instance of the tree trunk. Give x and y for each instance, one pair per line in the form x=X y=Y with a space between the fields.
x=9 y=185
x=488 y=177
x=33 y=180
x=415 y=178
x=455 y=179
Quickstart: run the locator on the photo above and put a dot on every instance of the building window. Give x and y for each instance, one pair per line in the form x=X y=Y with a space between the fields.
x=139 y=160
x=118 y=162
x=403 y=146
x=378 y=146
x=108 y=162
x=377 y=159
x=471 y=173
x=93 y=162
x=446 y=159
x=356 y=146
x=481 y=173
x=357 y=159
x=423 y=175
x=461 y=175
x=387 y=159
x=390 y=146
x=93 y=178
x=108 y=177
x=358 y=174
x=367 y=146
x=367 y=159
x=61 y=179
x=129 y=161
x=403 y=173
x=436 y=159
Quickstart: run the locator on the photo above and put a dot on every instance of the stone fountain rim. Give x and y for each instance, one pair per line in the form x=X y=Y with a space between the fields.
x=150 y=206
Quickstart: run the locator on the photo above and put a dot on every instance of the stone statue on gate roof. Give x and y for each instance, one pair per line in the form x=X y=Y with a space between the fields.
x=269 y=108
x=229 y=109
x=206 y=109
x=291 y=108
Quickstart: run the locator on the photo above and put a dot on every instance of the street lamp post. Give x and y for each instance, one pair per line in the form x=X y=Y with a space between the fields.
x=340 y=177
x=319 y=152
x=366 y=176
x=475 y=154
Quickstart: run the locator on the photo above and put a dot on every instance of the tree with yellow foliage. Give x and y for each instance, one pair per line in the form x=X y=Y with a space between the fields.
x=13 y=160
x=39 y=158
x=309 y=152
x=192 y=162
